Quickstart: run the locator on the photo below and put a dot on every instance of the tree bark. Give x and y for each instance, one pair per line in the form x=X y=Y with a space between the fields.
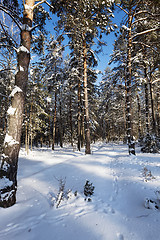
x=60 y=125
x=9 y=160
x=79 y=115
x=54 y=120
x=139 y=118
x=146 y=101
x=70 y=115
x=152 y=104
x=87 y=129
x=131 y=143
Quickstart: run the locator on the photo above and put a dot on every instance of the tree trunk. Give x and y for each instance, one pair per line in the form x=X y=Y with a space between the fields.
x=60 y=125
x=87 y=129
x=79 y=115
x=9 y=160
x=152 y=104
x=139 y=118
x=131 y=143
x=54 y=120
x=158 y=112
x=30 y=138
x=70 y=115
x=146 y=101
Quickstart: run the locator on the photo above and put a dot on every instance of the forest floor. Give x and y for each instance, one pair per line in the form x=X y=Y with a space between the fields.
x=118 y=207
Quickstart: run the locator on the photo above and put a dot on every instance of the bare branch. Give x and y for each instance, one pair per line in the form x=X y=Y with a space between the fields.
x=11 y=16
x=7 y=34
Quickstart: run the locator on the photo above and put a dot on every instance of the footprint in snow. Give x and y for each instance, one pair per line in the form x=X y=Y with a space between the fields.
x=120 y=236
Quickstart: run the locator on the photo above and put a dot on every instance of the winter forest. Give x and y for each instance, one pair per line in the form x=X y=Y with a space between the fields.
x=55 y=104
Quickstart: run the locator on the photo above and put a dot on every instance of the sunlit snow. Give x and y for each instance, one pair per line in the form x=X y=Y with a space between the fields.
x=117 y=208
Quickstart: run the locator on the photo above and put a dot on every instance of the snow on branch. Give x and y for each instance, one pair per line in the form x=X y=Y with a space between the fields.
x=146 y=45
x=39 y=3
x=147 y=31
x=145 y=11
x=15 y=90
x=11 y=110
x=22 y=49
x=10 y=140
x=43 y=1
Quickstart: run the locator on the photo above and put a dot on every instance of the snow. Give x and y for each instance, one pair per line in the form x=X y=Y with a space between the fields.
x=4 y=182
x=15 y=90
x=117 y=210
x=125 y=27
x=22 y=49
x=9 y=140
x=27 y=7
x=48 y=99
x=11 y=110
x=21 y=69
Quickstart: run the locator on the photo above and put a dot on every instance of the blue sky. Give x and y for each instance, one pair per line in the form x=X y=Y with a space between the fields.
x=103 y=57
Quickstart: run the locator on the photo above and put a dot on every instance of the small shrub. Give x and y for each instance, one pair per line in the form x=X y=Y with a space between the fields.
x=147 y=175
x=88 y=191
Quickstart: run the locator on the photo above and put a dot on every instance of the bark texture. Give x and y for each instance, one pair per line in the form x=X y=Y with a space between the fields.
x=9 y=158
x=131 y=144
x=87 y=129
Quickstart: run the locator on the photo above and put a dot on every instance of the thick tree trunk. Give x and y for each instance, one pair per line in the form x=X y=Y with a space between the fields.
x=60 y=125
x=152 y=104
x=139 y=118
x=79 y=115
x=131 y=143
x=146 y=102
x=9 y=160
x=54 y=120
x=70 y=115
x=87 y=128
x=30 y=137
x=158 y=112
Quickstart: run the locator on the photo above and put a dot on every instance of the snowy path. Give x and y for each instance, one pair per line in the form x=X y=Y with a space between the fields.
x=116 y=211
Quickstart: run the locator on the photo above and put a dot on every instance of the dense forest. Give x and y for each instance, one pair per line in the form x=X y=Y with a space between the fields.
x=48 y=97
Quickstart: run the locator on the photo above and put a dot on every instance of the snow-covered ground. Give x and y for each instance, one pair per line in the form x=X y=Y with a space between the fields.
x=116 y=212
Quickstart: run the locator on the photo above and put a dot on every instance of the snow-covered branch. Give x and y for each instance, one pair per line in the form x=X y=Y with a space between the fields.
x=145 y=11
x=146 y=31
x=157 y=80
x=140 y=19
x=9 y=46
x=39 y=3
x=146 y=45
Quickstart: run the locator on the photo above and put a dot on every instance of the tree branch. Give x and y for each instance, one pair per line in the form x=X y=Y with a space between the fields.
x=122 y=8
x=146 y=46
x=49 y=5
x=7 y=34
x=147 y=31
x=39 y=3
x=11 y=16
